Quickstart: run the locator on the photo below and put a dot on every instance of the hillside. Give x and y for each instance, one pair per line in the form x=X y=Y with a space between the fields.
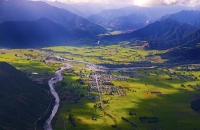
x=39 y=33
x=133 y=13
x=132 y=21
x=22 y=101
x=66 y=7
x=168 y=33
x=162 y=34
x=23 y=10
x=186 y=16
x=111 y=17
x=190 y=54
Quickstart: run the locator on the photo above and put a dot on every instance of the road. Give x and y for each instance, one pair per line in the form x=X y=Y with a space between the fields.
x=100 y=98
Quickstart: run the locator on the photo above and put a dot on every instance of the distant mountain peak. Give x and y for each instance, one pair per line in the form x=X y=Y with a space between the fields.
x=38 y=33
x=163 y=34
x=34 y=10
x=191 y=17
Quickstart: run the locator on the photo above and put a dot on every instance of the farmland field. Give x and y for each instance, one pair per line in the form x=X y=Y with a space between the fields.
x=143 y=99
x=155 y=98
x=30 y=61
x=124 y=53
x=148 y=98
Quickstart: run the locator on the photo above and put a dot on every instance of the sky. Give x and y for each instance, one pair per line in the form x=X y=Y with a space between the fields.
x=140 y=2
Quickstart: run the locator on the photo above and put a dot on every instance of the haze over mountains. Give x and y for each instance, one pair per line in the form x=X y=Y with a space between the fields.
x=85 y=9
x=37 y=24
x=163 y=34
x=30 y=10
x=68 y=7
x=132 y=14
x=186 y=16
x=41 y=32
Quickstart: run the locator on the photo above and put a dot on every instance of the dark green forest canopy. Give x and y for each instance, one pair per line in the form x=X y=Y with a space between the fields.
x=22 y=101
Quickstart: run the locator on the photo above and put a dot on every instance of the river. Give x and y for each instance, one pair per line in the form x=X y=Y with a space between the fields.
x=57 y=77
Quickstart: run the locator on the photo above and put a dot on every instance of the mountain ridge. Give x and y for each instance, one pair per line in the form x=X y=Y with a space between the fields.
x=162 y=34
x=191 y=17
x=41 y=32
x=33 y=10
x=20 y=100
x=152 y=14
x=132 y=21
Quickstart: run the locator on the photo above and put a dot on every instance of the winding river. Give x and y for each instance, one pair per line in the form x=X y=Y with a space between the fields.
x=57 y=77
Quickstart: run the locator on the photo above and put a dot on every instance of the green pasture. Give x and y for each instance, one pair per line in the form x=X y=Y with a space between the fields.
x=82 y=111
x=164 y=93
x=29 y=61
x=171 y=106
x=83 y=114
x=111 y=32
x=123 y=53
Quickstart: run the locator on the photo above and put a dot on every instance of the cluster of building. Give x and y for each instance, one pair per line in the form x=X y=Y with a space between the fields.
x=105 y=85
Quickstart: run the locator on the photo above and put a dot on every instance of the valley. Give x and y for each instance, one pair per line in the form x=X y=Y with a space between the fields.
x=94 y=96
x=99 y=65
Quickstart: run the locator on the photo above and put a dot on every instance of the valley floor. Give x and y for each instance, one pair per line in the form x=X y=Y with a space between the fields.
x=150 y=98
x=137 y=99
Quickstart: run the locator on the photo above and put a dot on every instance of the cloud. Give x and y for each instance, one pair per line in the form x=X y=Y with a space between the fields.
x=166 y=2
x=139 y=2
x=96 y=1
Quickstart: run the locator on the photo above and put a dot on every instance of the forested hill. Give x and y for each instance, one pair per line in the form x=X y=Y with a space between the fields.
x=191 y=17
x=164 y=34
x=38 y=33
x=25 y=10
x=22 y=101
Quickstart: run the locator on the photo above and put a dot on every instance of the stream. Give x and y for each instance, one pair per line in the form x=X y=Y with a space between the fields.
x=57 y=77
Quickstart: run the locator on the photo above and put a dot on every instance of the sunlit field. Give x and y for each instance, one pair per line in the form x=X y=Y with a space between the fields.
x=100 y=64
x=154 y=99
x=29 y=61
x=124 y=53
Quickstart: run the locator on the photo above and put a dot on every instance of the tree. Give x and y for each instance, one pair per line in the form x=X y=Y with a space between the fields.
x=195 y=105
x=95 y=107
x=182 y=85
x=82 y=95
x=70 y=117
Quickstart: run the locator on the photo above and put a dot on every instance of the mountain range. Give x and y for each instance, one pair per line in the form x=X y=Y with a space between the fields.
x=23 y=10
x=132 y=21
x=191 y=17
x=130 y=15
x=164 y=34
x=20 y=99
x=187 y=54
x=37 y=24
x=25 y=23
x=38 y=33
x=68 y=7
